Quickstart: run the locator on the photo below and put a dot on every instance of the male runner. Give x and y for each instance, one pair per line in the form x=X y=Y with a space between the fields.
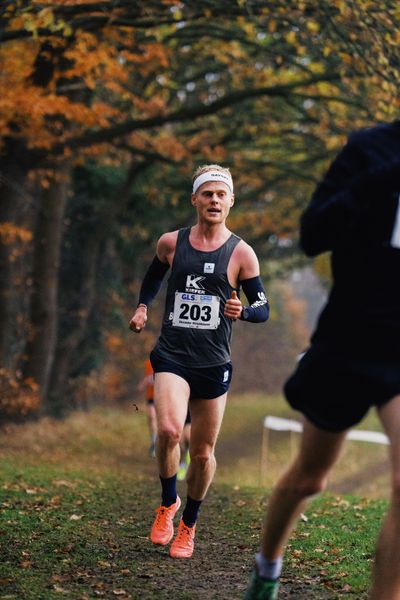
x=354 y=359
x=191 y=359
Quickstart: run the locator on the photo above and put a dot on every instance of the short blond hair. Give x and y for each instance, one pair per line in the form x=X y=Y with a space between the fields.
x=205 y=168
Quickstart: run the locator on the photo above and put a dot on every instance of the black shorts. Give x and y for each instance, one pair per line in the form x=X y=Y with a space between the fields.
x=205 y=382
x=335 y=388
x=150 y=401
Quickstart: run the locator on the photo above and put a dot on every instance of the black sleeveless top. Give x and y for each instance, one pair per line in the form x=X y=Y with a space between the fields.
x=195 y=332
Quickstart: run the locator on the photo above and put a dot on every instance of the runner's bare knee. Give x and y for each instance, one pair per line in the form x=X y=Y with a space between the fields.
x=169 y=434
x=203 y=458
x=303 y=483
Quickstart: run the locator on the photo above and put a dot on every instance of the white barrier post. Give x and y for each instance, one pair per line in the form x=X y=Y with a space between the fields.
x=280 y=424
x=264 y=454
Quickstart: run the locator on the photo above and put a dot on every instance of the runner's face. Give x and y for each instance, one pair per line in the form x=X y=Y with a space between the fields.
x=213 y=201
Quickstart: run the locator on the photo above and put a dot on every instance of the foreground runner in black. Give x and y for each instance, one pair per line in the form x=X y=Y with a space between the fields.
x=354 y=359
x=191 y=359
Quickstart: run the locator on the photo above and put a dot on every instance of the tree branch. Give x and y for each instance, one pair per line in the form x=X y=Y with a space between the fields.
x=185 y=114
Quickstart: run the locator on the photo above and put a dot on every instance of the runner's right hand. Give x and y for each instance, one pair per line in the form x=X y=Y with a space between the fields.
x=138 y=321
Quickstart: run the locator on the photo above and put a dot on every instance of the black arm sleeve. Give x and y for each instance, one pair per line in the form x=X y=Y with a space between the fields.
x=333 y=212
x=152 y=281
x=338 y=205
x=258 y=311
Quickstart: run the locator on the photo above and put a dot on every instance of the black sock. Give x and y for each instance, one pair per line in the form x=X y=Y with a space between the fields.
x=168 y=494
x=190 y=514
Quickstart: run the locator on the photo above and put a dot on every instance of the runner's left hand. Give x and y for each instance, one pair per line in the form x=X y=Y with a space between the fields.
x=233 y=307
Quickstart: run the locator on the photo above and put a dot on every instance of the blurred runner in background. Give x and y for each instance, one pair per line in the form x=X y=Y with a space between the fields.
x=147 y=385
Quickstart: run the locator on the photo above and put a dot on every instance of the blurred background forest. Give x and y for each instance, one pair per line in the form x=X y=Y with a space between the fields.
x=106 y=109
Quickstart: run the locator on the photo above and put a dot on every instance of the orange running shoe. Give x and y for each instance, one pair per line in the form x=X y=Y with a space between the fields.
x=183 y=544
x=163 y=527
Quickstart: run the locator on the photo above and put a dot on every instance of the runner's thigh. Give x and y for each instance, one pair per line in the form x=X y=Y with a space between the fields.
x=171 y=397
x=206 y=420
x=319 y=449
x=389 y=414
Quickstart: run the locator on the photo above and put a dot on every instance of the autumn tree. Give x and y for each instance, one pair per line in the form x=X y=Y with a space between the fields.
x=150 y=89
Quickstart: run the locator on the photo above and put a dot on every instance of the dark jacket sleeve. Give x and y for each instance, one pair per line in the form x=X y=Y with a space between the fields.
x=333 y=211
x=339 y=204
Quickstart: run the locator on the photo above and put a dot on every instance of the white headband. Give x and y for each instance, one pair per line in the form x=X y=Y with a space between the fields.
x=212 y=176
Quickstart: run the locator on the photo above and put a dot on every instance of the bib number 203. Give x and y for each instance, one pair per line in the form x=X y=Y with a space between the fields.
x=195 y=312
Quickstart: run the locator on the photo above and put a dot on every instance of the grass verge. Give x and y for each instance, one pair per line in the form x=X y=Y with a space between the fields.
x=76 y=502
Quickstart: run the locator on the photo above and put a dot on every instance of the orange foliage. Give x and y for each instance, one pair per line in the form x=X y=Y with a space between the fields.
x=254 y=220
x=322 y=266
x=127 y=72
x=50 y=114
x=18 y=399
x=10 y=233
x=162 y=143
x=115 y=384
x=295 y=308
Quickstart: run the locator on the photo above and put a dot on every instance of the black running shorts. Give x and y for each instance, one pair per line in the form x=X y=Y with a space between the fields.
x=335 y=388
x=205 y=382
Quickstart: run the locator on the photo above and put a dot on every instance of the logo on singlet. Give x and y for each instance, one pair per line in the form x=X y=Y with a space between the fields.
x=193 y=284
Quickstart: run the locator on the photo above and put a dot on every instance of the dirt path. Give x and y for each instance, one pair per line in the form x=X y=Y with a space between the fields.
x=226 y=542
x=229 y=524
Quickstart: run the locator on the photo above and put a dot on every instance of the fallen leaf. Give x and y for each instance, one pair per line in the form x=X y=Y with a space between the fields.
x=240 y=503
x=303 y=517
x=59 y=590
x=103 y=563
x=25 y=564
x=63 y=482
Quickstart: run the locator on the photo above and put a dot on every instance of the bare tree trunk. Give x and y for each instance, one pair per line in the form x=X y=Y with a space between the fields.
x=82 y=304
x=14 y=198
x=43 y=314
x=7 y=305
x=75 y=317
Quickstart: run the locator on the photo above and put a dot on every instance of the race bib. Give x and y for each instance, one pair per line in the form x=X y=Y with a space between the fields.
x=197 y=311
x=395 y=241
